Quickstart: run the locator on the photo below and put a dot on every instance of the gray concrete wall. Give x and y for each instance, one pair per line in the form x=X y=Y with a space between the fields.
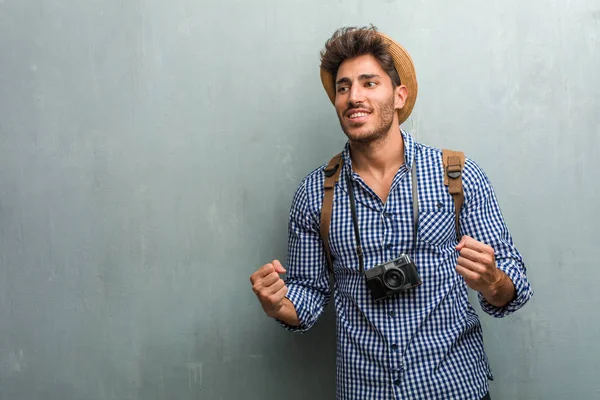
x=149 y=152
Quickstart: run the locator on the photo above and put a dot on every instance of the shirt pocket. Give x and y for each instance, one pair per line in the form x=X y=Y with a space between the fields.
x=437 y=227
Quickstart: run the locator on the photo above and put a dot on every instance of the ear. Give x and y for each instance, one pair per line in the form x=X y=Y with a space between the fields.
x=400 y=96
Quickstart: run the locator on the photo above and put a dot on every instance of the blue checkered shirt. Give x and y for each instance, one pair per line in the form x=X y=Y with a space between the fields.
x=425 y=343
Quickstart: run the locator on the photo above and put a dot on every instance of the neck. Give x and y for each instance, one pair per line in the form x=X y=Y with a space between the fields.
x=379 y=158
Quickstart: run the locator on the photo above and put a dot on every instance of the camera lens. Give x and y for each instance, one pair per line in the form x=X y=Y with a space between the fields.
x=394 y=278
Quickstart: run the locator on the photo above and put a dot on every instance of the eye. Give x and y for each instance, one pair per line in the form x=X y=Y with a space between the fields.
x=342 y=89
x=371 y=84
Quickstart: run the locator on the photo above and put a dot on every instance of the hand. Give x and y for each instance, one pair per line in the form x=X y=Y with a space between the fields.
x=477 y=264
x=269 y=287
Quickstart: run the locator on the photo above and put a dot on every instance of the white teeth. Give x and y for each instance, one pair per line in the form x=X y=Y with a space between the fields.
x=358 y=115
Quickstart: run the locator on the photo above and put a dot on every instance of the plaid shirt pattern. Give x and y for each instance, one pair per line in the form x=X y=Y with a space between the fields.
x=426 y=343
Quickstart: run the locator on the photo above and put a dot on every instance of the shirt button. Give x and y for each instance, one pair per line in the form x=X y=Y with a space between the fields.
x=389 y=246
x=394 y=347
x=397 y=382
x=392 y=313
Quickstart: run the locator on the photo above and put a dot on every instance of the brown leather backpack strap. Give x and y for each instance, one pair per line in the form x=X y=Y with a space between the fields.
x=454 y=161
x=332 y=175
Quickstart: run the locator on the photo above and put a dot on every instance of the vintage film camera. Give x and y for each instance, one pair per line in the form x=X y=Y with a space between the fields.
x=392 y=277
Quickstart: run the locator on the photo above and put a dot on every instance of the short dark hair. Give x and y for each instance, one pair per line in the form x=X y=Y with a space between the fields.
x=351 y=42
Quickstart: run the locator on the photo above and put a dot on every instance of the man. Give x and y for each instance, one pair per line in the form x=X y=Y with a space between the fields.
x=424 y=342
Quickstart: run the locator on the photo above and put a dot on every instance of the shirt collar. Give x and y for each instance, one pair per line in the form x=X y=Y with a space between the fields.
x=409 y=152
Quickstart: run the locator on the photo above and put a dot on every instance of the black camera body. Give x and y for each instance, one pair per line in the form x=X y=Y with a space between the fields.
x=392 y=277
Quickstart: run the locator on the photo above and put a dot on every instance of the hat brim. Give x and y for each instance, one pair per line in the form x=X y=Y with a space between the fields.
x=405 y=68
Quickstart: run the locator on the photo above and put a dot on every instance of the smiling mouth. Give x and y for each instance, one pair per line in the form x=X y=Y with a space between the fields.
x=357 y=115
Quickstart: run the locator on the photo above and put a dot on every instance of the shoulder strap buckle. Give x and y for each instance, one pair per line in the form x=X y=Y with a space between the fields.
x=454 y=162
x=332 y=175
x=330 y=170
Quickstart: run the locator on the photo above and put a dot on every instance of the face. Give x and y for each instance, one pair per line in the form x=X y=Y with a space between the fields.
x=366 y=101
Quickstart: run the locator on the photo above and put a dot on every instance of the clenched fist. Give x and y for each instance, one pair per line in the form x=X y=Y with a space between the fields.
x=269 y=287
x=477 y=265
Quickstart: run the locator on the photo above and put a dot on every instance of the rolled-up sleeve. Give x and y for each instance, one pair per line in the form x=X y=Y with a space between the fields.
x=482 y=219
x=307 y=277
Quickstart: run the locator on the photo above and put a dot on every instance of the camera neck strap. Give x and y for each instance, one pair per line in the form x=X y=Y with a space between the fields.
x=359 y=250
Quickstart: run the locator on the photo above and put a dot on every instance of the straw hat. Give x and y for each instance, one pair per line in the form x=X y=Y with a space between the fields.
x=405 y=68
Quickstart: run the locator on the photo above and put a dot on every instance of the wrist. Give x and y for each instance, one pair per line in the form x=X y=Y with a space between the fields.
x=497 y=284
x=501 y=291
x=287 y=313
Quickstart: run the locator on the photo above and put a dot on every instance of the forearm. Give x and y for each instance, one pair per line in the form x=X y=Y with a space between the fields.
x=501 y=293
x=287 y=313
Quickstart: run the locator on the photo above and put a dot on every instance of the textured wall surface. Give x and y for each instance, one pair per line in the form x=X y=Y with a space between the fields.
x=149 y=152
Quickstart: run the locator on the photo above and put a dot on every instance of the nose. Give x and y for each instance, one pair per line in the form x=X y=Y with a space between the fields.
x=356 y=95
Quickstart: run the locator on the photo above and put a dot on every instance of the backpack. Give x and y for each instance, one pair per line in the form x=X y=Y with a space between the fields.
x=454 y=162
